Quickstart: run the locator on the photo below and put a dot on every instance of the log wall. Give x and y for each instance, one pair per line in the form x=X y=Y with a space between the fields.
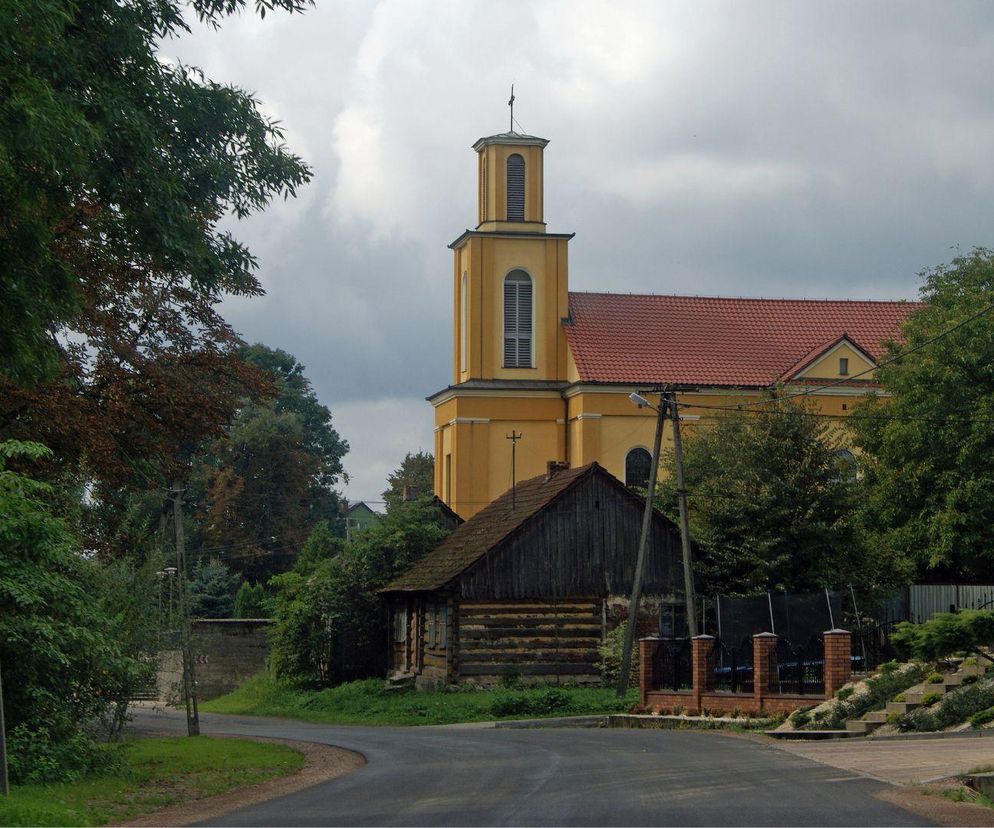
x=537 y=641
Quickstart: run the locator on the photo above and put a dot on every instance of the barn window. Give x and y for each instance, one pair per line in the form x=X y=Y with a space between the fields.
x=515 y=188
x=517 y=320
x=638 y=463
x=443 y=626
x=431 y=625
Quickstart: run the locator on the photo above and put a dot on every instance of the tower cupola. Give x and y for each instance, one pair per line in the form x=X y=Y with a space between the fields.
x=510 y=182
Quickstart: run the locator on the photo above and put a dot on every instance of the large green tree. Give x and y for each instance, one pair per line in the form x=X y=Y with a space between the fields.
x=770 y=502
x=111 y=155
x=261 y=488
x=415 y=478
x=927 y=467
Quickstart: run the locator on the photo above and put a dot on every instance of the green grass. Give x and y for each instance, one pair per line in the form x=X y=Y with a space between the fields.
x=158 y=772
x=368 y=703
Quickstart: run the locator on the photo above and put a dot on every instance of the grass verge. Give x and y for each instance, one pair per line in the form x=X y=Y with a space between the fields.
x=157 y=773
x=369 y=703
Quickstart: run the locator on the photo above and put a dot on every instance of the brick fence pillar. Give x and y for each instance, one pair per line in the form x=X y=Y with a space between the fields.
x=701 y=647
x=763 y=647
x=838 y=661
x=647 y=655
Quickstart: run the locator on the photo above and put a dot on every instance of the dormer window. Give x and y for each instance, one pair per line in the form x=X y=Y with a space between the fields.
x=517 y=320
x=843 y=366
x=515 y=188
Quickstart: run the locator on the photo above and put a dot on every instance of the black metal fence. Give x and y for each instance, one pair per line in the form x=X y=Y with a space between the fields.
x=672 y=667
x=731 y=665
x=798 y=669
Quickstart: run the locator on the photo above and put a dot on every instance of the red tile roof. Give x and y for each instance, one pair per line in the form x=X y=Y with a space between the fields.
x=696 y=340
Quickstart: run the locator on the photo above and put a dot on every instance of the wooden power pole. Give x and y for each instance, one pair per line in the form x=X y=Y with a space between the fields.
x=681 y=496
x=633 y=606
x=189 y=673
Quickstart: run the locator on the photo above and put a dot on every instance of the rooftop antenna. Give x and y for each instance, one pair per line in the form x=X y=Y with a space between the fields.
x=510 y=103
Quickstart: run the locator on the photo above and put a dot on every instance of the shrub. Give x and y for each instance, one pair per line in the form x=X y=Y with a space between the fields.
x=948 y=633
x=37 y=756
x=844 y=693
x=549 y=701
x=610 y=651
x=970 y=680
x=879 y=690
x=800 y=718
x=894 y=718
x=983 y=717
x=935 y=678
x=931 y=698
x=955 y=707
x=900 y=697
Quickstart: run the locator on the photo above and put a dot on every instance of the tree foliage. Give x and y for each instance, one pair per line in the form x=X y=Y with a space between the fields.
x=212 y=590
x=928 y=447
x=262 y=487
x=770 y=500
x=65 y=654
x=110 y=155
x=415 y=478
x=329 y=618
x=947 y=634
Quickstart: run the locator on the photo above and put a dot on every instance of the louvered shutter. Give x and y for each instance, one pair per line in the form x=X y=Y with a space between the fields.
x=518 y=320
x=515 y=188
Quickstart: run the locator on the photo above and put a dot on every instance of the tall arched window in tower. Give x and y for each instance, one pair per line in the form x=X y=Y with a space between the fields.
x=463 y=321
x=638 y=464
x=517 y=320
x=515 y=188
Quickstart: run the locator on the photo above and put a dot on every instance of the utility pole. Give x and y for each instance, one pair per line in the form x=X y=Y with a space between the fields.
x=189 y=674
x=513 y=437
x=4 y=787
x=633 y=606
x=681 y=496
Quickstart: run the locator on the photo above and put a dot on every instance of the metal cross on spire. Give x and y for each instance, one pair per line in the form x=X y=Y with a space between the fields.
x=510 y=103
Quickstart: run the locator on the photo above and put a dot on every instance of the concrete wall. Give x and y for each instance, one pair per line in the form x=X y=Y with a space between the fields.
x=227 y=651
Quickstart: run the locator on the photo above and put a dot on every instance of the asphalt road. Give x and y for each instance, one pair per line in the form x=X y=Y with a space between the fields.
x=452 y=776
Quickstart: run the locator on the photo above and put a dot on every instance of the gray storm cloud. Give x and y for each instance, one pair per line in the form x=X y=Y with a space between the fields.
x=771 y=149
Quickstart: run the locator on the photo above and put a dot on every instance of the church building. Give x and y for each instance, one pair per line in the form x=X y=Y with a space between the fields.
x=531 y=358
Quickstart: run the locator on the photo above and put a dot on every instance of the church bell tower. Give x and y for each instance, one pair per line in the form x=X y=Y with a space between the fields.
x=510 y=296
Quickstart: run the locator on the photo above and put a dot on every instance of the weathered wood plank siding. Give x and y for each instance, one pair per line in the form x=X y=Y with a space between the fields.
x=583 y=544
x=530 y=639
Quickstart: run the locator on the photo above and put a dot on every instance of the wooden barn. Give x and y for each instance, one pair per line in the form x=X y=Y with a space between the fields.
x=529 y=585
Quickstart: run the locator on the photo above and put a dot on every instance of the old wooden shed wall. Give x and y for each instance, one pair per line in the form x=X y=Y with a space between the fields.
x=583 y=544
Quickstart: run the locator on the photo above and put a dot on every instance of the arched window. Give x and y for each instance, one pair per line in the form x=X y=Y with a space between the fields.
x=515 y=188
x=463 y=321
x=517 y=320
x=638 y=464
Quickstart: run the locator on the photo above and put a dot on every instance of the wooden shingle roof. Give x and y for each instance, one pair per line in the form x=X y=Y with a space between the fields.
x=486 y=529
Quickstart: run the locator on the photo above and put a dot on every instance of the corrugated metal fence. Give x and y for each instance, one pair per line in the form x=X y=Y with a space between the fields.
x=925 y=600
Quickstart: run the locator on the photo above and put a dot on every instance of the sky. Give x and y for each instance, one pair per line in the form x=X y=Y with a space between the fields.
x=831 y=149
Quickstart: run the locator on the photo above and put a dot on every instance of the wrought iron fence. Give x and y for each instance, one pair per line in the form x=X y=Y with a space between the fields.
x=798 y=670
x=672 y=667
x=730 y=666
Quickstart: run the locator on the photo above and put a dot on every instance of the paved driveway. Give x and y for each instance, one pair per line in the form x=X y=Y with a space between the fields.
x=453 y=776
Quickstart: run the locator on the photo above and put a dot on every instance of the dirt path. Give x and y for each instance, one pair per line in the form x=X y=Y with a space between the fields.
x=322 y=763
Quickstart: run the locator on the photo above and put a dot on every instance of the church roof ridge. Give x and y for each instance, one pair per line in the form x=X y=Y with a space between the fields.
x=727 y=298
